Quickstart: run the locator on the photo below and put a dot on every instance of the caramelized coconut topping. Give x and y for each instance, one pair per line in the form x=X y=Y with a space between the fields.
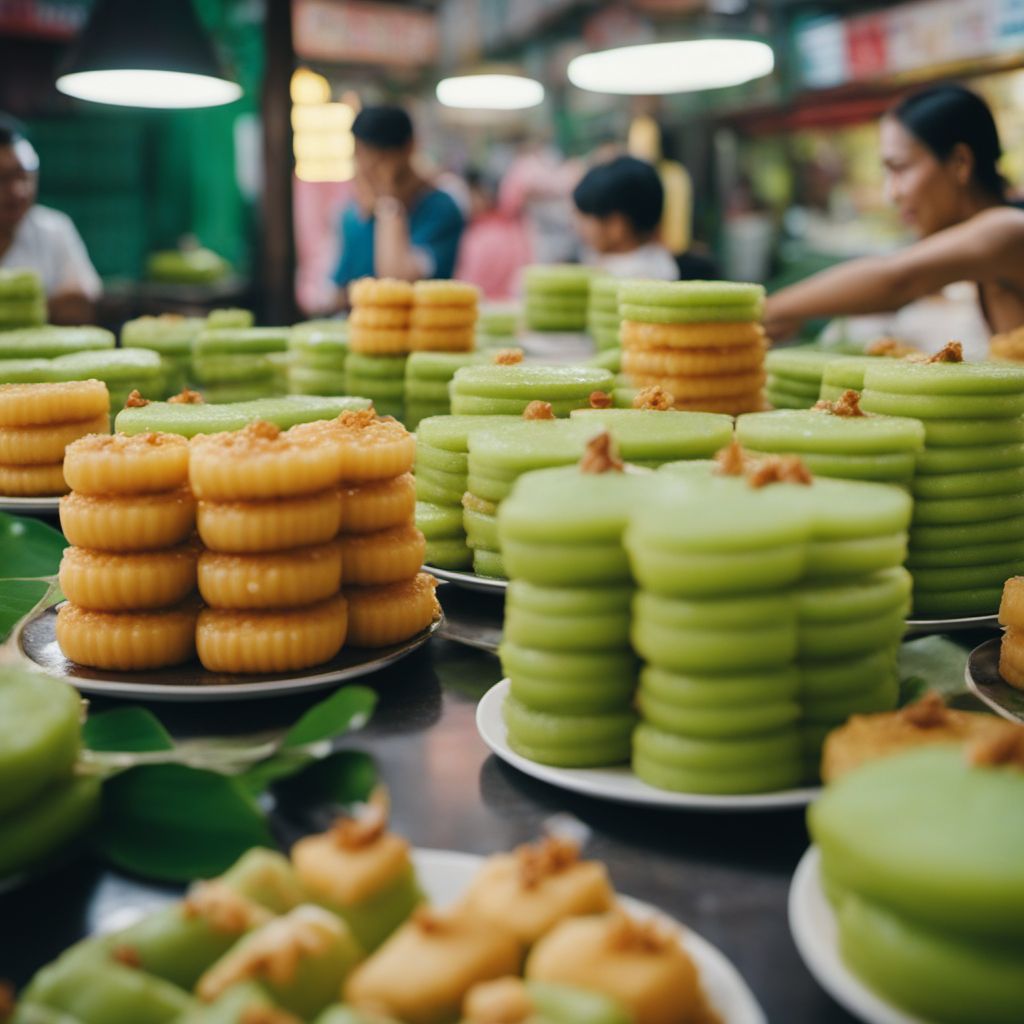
x=539 y=411
x=262 y=429
x=430 y=921
x=732 y=460
x=601 y=456
x=779 y=469
x=952 y=352
x=224 y=909
x=551 y=856
x=600 y=400
x=655 y=398
x=186 y=397
x=127 y=956
x=357 y=419
x=930 y=712
x=267 y=1015
x=505 y=1001
x=627 y=934
x=508 y=356
x=892 y=347
x=1003 y=748
x=135 y=400
x=847 y=405
x=366 y=827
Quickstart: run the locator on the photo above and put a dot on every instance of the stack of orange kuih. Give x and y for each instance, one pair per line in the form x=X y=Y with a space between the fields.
x=702 y=341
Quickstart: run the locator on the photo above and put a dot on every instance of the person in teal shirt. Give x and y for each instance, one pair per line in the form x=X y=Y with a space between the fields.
x=398 y=225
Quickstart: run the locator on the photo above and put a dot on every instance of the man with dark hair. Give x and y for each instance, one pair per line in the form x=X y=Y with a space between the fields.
x=34 y=237
x=619 y=205
x=399 y=225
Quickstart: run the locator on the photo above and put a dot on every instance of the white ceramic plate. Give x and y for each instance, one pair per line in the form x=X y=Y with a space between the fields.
x=618 y=784
x=922 y=627
x=30 y=506
x=985 y=682
x=469 y=580
x=36 y=639
x=815 y=933
x=444 y=876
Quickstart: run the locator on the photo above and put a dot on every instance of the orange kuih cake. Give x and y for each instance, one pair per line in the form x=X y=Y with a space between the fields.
x=37 y=423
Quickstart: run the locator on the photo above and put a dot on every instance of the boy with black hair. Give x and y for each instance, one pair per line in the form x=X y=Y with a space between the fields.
x=619 y=206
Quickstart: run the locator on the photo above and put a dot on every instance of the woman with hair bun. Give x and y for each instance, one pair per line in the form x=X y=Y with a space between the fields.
x=940 y=150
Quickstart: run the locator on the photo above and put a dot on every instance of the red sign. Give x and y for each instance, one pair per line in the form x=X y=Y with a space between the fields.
x=866 y=46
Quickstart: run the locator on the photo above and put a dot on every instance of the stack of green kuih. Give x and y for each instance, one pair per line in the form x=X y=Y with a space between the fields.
x=427 y=376
x=851 y=447
x=557 y=296
x=497 y=325
x=26 y=354
x=317 y=352
x=794 y=376
x=229 y=317
x=508 y=390
x=565 y=646
x=381 y=378
x=172 y=337
x=123 y=370
x=968 y=489
x=603 y=318
x=22 y=301
x=231 y=364
x=442 y=469
x=845 y=373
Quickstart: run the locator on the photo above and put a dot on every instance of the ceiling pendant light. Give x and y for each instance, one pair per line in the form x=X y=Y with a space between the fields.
x=151 y=54
x=490 y=92
x=684 y=66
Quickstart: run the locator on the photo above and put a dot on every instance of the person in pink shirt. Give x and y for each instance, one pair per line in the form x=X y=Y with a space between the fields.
x=495 y=246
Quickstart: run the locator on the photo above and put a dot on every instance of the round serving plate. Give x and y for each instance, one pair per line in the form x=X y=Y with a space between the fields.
x=813 y=925
x=923 y=627
x=469 y=580
x=444 y=876
x=984 y=681
x=30 y=506
x=37 y=640
x=619 y=784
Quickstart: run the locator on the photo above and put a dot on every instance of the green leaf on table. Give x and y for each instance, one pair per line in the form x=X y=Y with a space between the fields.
x=345 y=710
x=343 y=778
x=29 y=548
x=17 y=599
x=932 y=663
x=174 y=823
x=283 y=764
x=126 y=729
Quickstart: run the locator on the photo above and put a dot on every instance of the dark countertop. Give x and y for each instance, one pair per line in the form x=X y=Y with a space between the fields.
x=725 y=875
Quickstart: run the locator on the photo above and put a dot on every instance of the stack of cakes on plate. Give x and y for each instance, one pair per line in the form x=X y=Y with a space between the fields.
x=427 y=379
x=795 y=375
x=22 y=299
x=37 y=423
x=603 y=318
x=233 y=364
x=171 y=336
x=123 y=370
x=317 y=351
x=557 y=296
x=968 y=486
x=379 y=342
x=701 y=341
x=130 y=575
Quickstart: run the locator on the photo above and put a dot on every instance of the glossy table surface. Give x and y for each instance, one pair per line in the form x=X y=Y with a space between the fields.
x=725 y=875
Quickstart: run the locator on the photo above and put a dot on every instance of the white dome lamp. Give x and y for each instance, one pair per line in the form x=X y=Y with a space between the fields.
x=490 y=91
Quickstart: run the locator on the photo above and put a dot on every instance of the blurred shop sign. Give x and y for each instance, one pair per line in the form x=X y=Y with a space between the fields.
x=363 y=32
x=909 y=37
x=43 y=19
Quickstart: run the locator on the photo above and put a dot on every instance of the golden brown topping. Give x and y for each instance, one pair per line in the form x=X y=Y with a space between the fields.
x=262 y=429
x=505 y=1001
x=732 y=460
x=367 y=827
x=126 y=443
x=429 y=921
x=551 y=856
x=952 y=352
x=127 y=956
x=601 y=456
x=539 y=411
x=929 y=712
x=267 y=1015
x=186 y=397
x=847 y=404
x=779 y=469
x=600 y=400
x=892 y=347
x=224 y=909
x=508 y=356
x=628 y=934
x=357 y=419
x=135 y=400
x=655 y=398
x=1004 y=748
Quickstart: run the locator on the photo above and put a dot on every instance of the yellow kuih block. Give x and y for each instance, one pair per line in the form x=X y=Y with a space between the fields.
x=33 y=481
x=142 y=522
x=385 y=556
x=423 y=972
x=378 y=505
x=639 y=963
x=367 y=446
x=126 y=464
x=388 y=614
x=533 y=888
x=1011 y=608
x=248 y=527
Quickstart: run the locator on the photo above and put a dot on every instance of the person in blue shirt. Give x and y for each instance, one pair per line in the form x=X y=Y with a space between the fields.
x=398 y=225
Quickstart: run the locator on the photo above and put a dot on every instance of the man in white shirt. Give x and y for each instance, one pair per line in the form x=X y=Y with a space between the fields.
x=37 y=238
x=618 y=209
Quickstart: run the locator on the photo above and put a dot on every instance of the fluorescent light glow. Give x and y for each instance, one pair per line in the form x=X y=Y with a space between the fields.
x=684 y=66
x=144 y=88
x=490 y=92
